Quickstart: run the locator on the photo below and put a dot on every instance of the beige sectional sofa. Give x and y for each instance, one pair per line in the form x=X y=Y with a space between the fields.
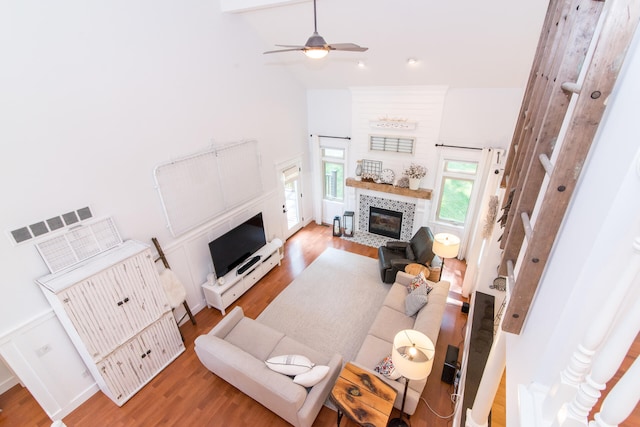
x=237 y=347
x=236 y=350
x=390 y=320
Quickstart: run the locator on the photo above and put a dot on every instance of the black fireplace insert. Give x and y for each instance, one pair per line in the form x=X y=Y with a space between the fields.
x=385 y=222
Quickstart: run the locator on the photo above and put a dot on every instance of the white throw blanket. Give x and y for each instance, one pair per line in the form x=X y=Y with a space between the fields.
x=172 y=286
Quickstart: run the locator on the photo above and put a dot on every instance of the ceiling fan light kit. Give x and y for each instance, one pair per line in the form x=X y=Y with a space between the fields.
x=316 y=47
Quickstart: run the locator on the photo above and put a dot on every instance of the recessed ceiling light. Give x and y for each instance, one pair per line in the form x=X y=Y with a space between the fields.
x=412 y=61
x=361 y=64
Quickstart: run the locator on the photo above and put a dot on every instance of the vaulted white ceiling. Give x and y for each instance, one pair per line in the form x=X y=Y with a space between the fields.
x=459 y=43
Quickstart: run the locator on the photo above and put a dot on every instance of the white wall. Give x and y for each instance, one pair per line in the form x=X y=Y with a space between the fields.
x=592 y=248
x=472 y=117
x=7 y=378
x=329 y=115
x=475 y=117
x=95 y=95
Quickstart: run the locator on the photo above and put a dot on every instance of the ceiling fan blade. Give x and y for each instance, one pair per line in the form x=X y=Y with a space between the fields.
x=283 y=50
x=291 y=46
x=348 y=47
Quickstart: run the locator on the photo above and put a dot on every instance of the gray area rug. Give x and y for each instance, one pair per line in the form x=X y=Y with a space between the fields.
x=331 y=305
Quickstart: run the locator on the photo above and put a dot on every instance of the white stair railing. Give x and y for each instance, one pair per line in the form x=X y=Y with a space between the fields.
x=621 y=400
x=573 y=375
x=605 y=365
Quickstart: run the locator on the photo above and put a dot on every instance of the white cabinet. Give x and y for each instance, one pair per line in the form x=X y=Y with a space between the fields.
x=222 y=294
x=118 y=317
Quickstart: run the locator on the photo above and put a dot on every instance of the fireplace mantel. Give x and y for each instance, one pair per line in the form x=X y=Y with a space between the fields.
x=421 y=193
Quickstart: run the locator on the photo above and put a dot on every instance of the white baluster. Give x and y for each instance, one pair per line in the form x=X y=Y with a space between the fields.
x=605 y=364
x=621 y=400
x=574 y=373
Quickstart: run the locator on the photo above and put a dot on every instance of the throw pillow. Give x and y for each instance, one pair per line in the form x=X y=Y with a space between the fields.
x=291 y=364
x=386 y=368
x=416 y=281
x=417 y=299
x=420 y=279
x=312 y=377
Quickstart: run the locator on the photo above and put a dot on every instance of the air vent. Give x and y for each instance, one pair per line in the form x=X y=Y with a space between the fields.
x=28 y=232
x=391 y=144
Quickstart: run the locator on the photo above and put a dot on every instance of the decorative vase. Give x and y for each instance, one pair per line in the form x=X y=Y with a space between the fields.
x=414 y=183
x=359 y=170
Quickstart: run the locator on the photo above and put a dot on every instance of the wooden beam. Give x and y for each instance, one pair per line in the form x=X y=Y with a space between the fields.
x=620 y=23
x=420 y=193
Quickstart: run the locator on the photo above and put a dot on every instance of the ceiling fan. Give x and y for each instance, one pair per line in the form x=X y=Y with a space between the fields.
x=316 y=47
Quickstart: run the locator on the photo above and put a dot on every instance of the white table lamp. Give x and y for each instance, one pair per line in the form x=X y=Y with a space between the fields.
x=445 y=245
x=412 y=355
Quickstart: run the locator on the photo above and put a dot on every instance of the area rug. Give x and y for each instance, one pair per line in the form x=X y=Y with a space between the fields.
x=331 y=305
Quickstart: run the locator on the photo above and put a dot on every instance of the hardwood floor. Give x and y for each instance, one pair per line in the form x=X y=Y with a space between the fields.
x=187 y=394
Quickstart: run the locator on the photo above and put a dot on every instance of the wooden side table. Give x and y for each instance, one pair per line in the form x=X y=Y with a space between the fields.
x=363 y=397
x=415 y=269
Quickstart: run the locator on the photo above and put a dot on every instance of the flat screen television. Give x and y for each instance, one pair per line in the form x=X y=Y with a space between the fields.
x=234 y=247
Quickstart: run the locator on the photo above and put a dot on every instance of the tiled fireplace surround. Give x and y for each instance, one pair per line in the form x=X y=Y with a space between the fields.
x=408 y=213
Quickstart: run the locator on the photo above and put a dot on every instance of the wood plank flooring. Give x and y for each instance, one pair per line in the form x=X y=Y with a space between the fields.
x=187 y=394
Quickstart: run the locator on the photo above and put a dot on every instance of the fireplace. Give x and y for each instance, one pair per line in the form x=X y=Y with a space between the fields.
x=385 y=222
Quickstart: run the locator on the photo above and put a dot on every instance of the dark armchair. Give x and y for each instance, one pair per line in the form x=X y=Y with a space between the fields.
x=395 y=256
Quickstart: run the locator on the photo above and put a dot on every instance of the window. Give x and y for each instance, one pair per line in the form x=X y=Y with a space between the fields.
x=458 y=178
x=333 y=168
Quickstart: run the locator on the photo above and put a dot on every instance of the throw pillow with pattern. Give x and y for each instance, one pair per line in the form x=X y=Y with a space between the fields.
x=420 y=279
x=386 y=368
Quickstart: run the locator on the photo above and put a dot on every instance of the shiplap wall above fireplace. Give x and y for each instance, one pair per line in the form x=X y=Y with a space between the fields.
x=422 y=107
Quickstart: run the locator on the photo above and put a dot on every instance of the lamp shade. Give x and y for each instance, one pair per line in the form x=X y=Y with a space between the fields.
x=412 y=354
x=446 y=245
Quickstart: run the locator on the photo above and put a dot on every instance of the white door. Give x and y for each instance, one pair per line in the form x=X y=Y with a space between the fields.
x=292 y=200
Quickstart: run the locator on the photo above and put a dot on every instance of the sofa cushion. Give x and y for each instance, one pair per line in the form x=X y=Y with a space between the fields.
x=429 y=319
x=372 y=351
x=255 y=338
x=245 y=372
x=388 y=322
x=395 y=297
x=288 y=345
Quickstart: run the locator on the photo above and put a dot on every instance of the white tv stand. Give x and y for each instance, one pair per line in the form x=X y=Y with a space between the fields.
x=232 y=285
